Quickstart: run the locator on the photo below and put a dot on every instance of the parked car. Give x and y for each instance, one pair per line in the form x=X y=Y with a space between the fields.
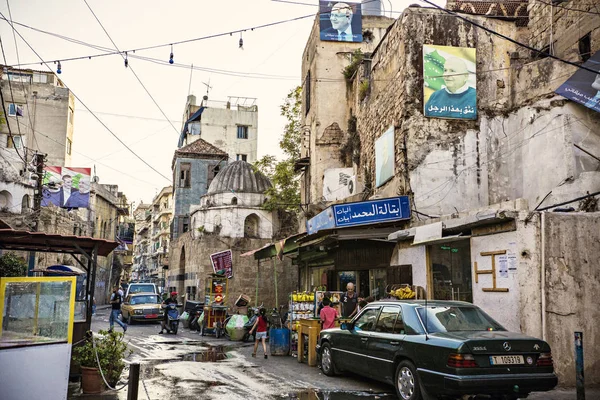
x=136 y=287
x=440 y=348
x=141 y=307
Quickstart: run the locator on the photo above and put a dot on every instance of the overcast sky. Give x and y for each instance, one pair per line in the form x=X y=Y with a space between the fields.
x=268 y=68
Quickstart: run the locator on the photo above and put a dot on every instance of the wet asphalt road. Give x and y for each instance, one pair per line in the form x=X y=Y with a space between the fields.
x=189 y=366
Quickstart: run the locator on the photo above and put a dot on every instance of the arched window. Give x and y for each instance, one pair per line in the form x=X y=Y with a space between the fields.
x=5 y=201
x=25 y=204
x=234 y=201
x=251 y=225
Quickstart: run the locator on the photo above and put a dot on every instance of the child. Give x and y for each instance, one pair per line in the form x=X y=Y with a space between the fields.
x=328 y=314
x=261 y=331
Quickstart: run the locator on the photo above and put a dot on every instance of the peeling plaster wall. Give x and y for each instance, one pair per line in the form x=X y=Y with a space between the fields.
x=229 y=221
x=572 y=253
x=198 y=267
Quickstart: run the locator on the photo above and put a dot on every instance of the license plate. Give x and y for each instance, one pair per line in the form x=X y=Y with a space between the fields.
x=151 y=315
x=506 y=360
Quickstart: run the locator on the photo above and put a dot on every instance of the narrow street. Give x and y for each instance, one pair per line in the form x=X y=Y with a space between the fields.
x=189 y=366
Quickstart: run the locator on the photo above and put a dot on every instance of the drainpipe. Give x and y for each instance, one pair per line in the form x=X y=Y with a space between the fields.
x=543 y=274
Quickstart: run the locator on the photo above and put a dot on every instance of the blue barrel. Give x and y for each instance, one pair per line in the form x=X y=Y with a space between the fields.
x=279 y=341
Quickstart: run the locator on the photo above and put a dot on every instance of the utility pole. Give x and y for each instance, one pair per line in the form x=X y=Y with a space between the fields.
x=38 y=159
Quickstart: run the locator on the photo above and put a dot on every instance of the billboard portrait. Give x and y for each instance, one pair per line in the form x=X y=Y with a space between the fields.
x=384 y=157
x=66 y=187
x=450 y=86
x=584 y=86
x=340 y=21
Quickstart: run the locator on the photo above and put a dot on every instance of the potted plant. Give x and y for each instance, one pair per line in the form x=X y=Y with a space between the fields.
x=111 y=350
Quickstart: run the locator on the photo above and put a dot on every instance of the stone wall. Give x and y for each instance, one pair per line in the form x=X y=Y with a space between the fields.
x=564 y=25
x=197 y=266
x=572 y=281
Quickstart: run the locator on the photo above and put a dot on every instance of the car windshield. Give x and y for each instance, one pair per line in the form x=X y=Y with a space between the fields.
x=149 y=299
x=454 y=319
x=141 y=288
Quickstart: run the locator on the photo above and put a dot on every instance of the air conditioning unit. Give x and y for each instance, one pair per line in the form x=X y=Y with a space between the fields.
x=354 y=186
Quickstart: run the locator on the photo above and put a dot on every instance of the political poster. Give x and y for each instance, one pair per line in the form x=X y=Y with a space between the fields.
x=384 y=157
x=222 y=263
x=340 y=21
x=584 y=86
x=450 y=82
x=66 y=187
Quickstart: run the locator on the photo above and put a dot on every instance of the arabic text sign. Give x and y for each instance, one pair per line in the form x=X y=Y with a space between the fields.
x=450 y=89
x=365 y=212
x=323 y=220
x=222 y=261
x=584 y=86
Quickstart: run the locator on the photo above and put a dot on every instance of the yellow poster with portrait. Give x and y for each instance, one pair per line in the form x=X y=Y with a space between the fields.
x=449 y=82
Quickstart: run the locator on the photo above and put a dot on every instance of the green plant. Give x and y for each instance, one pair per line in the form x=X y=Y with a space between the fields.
x=12 y=265
x=363 y=89
x=356 y=60
x=111 y=350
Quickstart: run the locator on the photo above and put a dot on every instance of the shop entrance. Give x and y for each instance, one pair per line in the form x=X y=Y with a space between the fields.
x=450 y=271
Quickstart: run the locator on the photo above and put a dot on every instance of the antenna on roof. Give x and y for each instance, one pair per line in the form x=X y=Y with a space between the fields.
x=208 y=87
x=190 y=84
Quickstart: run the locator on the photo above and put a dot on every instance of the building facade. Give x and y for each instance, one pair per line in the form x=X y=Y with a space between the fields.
x=162 y=213
x=142 y=216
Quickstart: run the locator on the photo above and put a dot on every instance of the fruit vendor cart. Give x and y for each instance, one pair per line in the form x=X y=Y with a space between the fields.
x=212 y=320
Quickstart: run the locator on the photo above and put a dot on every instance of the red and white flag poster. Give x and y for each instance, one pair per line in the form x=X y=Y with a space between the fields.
x=222 y=263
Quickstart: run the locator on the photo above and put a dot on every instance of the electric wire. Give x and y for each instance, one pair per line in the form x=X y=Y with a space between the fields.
x=87 y=108
x=131 y=67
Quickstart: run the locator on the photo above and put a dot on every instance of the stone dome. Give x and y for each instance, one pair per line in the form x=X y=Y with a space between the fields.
x=239 y=177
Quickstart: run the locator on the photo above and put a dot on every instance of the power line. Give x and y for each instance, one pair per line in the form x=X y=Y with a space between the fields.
x=87 y=108
x=130 y=67
x=493 y=32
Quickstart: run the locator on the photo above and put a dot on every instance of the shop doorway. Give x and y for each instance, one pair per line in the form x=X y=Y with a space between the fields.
x=450 y=271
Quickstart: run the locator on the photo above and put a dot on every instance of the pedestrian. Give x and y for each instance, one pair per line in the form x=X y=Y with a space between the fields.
x=261 y=331
x=320 y=307
x=328 y=314
x=94 y=305
x=349 y=301
x=115 y=300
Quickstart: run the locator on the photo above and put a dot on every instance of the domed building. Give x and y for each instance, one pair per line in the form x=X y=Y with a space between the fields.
x=232 y=206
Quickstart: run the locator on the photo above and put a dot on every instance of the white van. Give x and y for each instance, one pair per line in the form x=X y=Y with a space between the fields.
x=141 y=287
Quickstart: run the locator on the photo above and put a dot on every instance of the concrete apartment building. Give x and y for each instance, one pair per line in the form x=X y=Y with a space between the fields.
x=142 y=216
x=231 y=126
x=162 y=214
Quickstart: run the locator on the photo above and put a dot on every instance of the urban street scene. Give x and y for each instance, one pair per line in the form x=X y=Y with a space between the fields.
x=361 y=199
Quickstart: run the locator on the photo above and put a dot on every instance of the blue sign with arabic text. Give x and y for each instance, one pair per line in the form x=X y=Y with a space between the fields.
x=323 y=220
x=368 y=212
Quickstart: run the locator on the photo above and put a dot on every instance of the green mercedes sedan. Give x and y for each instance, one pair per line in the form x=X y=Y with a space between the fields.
x=442 y=348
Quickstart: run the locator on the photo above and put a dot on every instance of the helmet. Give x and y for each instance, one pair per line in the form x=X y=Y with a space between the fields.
x=173 y=293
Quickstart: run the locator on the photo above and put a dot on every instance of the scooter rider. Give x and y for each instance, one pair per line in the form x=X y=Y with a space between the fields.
x=165 y=303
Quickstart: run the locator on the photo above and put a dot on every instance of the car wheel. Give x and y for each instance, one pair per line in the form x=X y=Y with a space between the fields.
x=327 y=364
x=407 y=382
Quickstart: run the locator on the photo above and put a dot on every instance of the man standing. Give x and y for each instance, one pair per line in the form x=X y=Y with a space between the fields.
x=349 y=301
x=115 y=301
x=165 y=303
x=328 y=314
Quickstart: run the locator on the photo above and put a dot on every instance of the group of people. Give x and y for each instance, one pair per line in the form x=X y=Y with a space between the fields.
x=351 y=304
x=63 y=194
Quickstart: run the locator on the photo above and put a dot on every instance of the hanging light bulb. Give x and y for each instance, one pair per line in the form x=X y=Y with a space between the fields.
x=58 y=68
x=241 y=41
x=126 y=60
x=171 y=56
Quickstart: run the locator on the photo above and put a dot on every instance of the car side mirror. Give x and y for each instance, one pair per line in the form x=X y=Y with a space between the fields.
x=346 y=326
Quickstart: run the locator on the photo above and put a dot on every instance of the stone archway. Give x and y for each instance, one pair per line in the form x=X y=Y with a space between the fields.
x=251 y=226
x=6 y=202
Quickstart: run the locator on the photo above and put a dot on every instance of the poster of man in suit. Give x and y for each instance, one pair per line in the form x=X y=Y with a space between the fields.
x=340 y=21
x=584 y=86
x=66 y=187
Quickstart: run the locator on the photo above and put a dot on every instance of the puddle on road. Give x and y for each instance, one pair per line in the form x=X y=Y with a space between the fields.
x=211 y=354
x=337 y=395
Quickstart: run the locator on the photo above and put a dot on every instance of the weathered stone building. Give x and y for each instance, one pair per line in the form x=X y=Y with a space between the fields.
x=478 y=189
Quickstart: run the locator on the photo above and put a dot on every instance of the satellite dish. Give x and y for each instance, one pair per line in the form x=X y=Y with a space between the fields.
x=95 y=179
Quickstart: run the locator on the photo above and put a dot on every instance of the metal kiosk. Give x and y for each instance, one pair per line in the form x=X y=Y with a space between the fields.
x=215 y=311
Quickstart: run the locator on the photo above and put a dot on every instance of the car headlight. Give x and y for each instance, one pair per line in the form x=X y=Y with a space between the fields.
x=138 y=312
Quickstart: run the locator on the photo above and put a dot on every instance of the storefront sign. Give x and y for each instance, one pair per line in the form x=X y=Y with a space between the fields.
x=368 y=212
x=323 y=220
x=222 y=262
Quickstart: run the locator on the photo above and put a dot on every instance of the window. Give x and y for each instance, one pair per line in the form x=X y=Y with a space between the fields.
x=194 y=128
x=185 y=175
x=211 y=172
x=234 y=201
x=241 y=157
x=40 y=78
x=242 y=132
x=390 y=321
x=185 y=224
x=71 y=115
x=251 y=225
x=69 y=145
x=585 y=47
x=15 y=110
x=191 y=292
x=14 y=141
x=16 y=77
x=366 y=322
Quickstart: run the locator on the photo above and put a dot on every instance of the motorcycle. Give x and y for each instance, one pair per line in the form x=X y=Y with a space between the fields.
x=172 y=317
x=195 y=317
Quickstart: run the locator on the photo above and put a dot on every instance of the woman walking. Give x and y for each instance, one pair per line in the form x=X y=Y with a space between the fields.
x=261 y=331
